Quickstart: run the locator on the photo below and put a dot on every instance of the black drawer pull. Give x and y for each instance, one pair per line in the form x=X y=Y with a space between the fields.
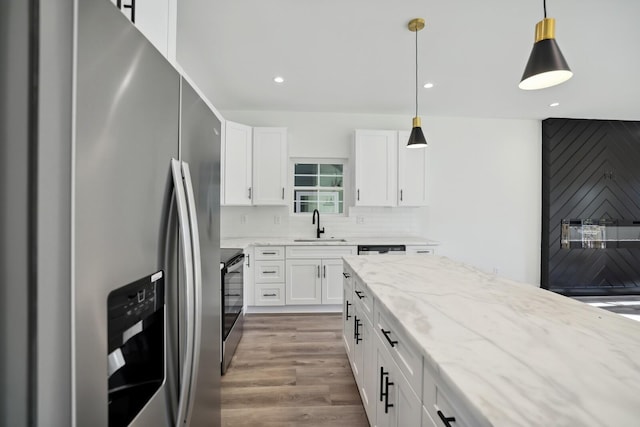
x=382 y=376
x=386 y=335
x=269 y=295
x=346 y=275
x=269 y=272
x=357 y=325
x=268 y=253
x=348 y=316
x=360 y=294
x=387 y=405
x=446 y=420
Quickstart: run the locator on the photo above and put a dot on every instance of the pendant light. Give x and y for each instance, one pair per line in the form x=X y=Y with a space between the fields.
x=416 y=139
x=546 y=66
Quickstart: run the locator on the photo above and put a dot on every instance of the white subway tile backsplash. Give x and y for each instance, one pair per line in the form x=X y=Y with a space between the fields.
x=241 y=221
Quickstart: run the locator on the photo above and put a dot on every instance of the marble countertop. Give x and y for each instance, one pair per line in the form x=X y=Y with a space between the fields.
x=244 y=242
x=518 y=355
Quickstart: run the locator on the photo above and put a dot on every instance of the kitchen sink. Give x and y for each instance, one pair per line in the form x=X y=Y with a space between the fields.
x=318 y=240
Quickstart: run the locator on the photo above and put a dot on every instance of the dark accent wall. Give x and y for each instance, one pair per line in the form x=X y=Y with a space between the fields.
x=590 y=169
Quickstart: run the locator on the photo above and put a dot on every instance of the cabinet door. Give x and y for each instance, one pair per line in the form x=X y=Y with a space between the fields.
x=412 y=173
x=237 y=164
x=332 y=281
x=397 y=404
x=375 y=168
x=269 y=165
x=367 y=367
x=304 y=284
x=348 y=311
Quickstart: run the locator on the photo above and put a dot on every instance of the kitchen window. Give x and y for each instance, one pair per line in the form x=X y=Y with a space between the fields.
x=318 y=186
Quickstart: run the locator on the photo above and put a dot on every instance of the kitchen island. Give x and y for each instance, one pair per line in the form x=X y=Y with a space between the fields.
x=494 y=352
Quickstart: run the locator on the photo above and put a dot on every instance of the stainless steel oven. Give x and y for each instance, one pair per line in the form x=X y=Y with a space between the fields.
x=231 y=268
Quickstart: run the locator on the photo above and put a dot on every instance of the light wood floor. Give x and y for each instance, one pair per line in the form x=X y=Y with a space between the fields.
x=291 y=370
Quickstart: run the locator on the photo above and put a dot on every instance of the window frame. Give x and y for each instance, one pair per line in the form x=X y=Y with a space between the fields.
x=319 y=161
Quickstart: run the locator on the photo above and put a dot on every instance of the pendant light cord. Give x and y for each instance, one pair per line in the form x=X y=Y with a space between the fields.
x=416 y=73
x=544 y=5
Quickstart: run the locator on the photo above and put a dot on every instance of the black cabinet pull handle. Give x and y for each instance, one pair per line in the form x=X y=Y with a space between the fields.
x=382 y=375
x=358 y=194
x=282 y=193
x=269 y=272
x=268 y=253
x=346 y=275
x=269 y=295
x=387 y=405
x=360 y=294
x=348 y=316
x=446 y=420
x=357 y=329
x=386 y=335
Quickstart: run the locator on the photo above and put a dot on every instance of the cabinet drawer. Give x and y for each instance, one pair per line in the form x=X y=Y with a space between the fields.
x=419 y=250
x=269 y=252
x=440 y=403
x=403 y=351
x=446 y=409
x=270 y=294
x=320 y=251
x=363 y=297
x=269 y=271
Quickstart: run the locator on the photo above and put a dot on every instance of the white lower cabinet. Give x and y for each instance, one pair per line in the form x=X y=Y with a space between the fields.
x=268 y=276
x=332 y=281
x=304 y=283
x=397 y=404
x=398 y=387
x=348 y=309
x=426 y=419
x=314 y=274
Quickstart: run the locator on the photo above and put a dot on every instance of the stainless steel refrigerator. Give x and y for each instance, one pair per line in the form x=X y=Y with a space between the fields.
x=110 y=287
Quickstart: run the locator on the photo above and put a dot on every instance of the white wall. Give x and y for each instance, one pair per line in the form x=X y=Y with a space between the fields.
x=485 y=187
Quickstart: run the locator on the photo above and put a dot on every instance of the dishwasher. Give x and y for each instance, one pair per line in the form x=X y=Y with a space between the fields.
x=381 y=249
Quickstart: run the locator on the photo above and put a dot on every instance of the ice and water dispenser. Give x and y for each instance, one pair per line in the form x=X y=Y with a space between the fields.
x=136 y=330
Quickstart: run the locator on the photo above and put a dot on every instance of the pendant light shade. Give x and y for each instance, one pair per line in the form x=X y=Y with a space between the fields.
x=546 y=66
x=416 y=139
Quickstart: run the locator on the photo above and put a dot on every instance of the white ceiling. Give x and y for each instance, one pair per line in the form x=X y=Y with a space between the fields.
x=358 y=56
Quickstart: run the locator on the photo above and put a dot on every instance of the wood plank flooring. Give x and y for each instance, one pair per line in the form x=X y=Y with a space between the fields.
x=289 y=371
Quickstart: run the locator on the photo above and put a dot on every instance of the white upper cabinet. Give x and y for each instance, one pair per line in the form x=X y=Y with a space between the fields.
x=237 y=165
x=269 y=165
x=375 y=168
x=387 y=173
x=412 y=173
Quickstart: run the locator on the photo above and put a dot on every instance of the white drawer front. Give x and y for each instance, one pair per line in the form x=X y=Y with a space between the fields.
x=363 y=297
x=270 y=294
x=404 y=352
x=419 y=250
x=269 y=252
x=320 y=251
x=269 y=272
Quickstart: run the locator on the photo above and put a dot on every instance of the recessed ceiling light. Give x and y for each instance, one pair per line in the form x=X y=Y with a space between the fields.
x=428 y=85
x=278 y=79
x=554 y=104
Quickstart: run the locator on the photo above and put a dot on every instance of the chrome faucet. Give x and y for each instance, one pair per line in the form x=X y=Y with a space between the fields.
x=313 y=221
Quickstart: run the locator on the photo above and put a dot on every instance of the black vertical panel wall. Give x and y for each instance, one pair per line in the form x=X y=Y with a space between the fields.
x=590 y=170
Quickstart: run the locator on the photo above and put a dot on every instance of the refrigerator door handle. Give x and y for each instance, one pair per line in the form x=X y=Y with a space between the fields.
x=185 y=232
x=197 y=289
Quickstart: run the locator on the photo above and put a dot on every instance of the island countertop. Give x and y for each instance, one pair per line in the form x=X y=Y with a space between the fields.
x=518 y=355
